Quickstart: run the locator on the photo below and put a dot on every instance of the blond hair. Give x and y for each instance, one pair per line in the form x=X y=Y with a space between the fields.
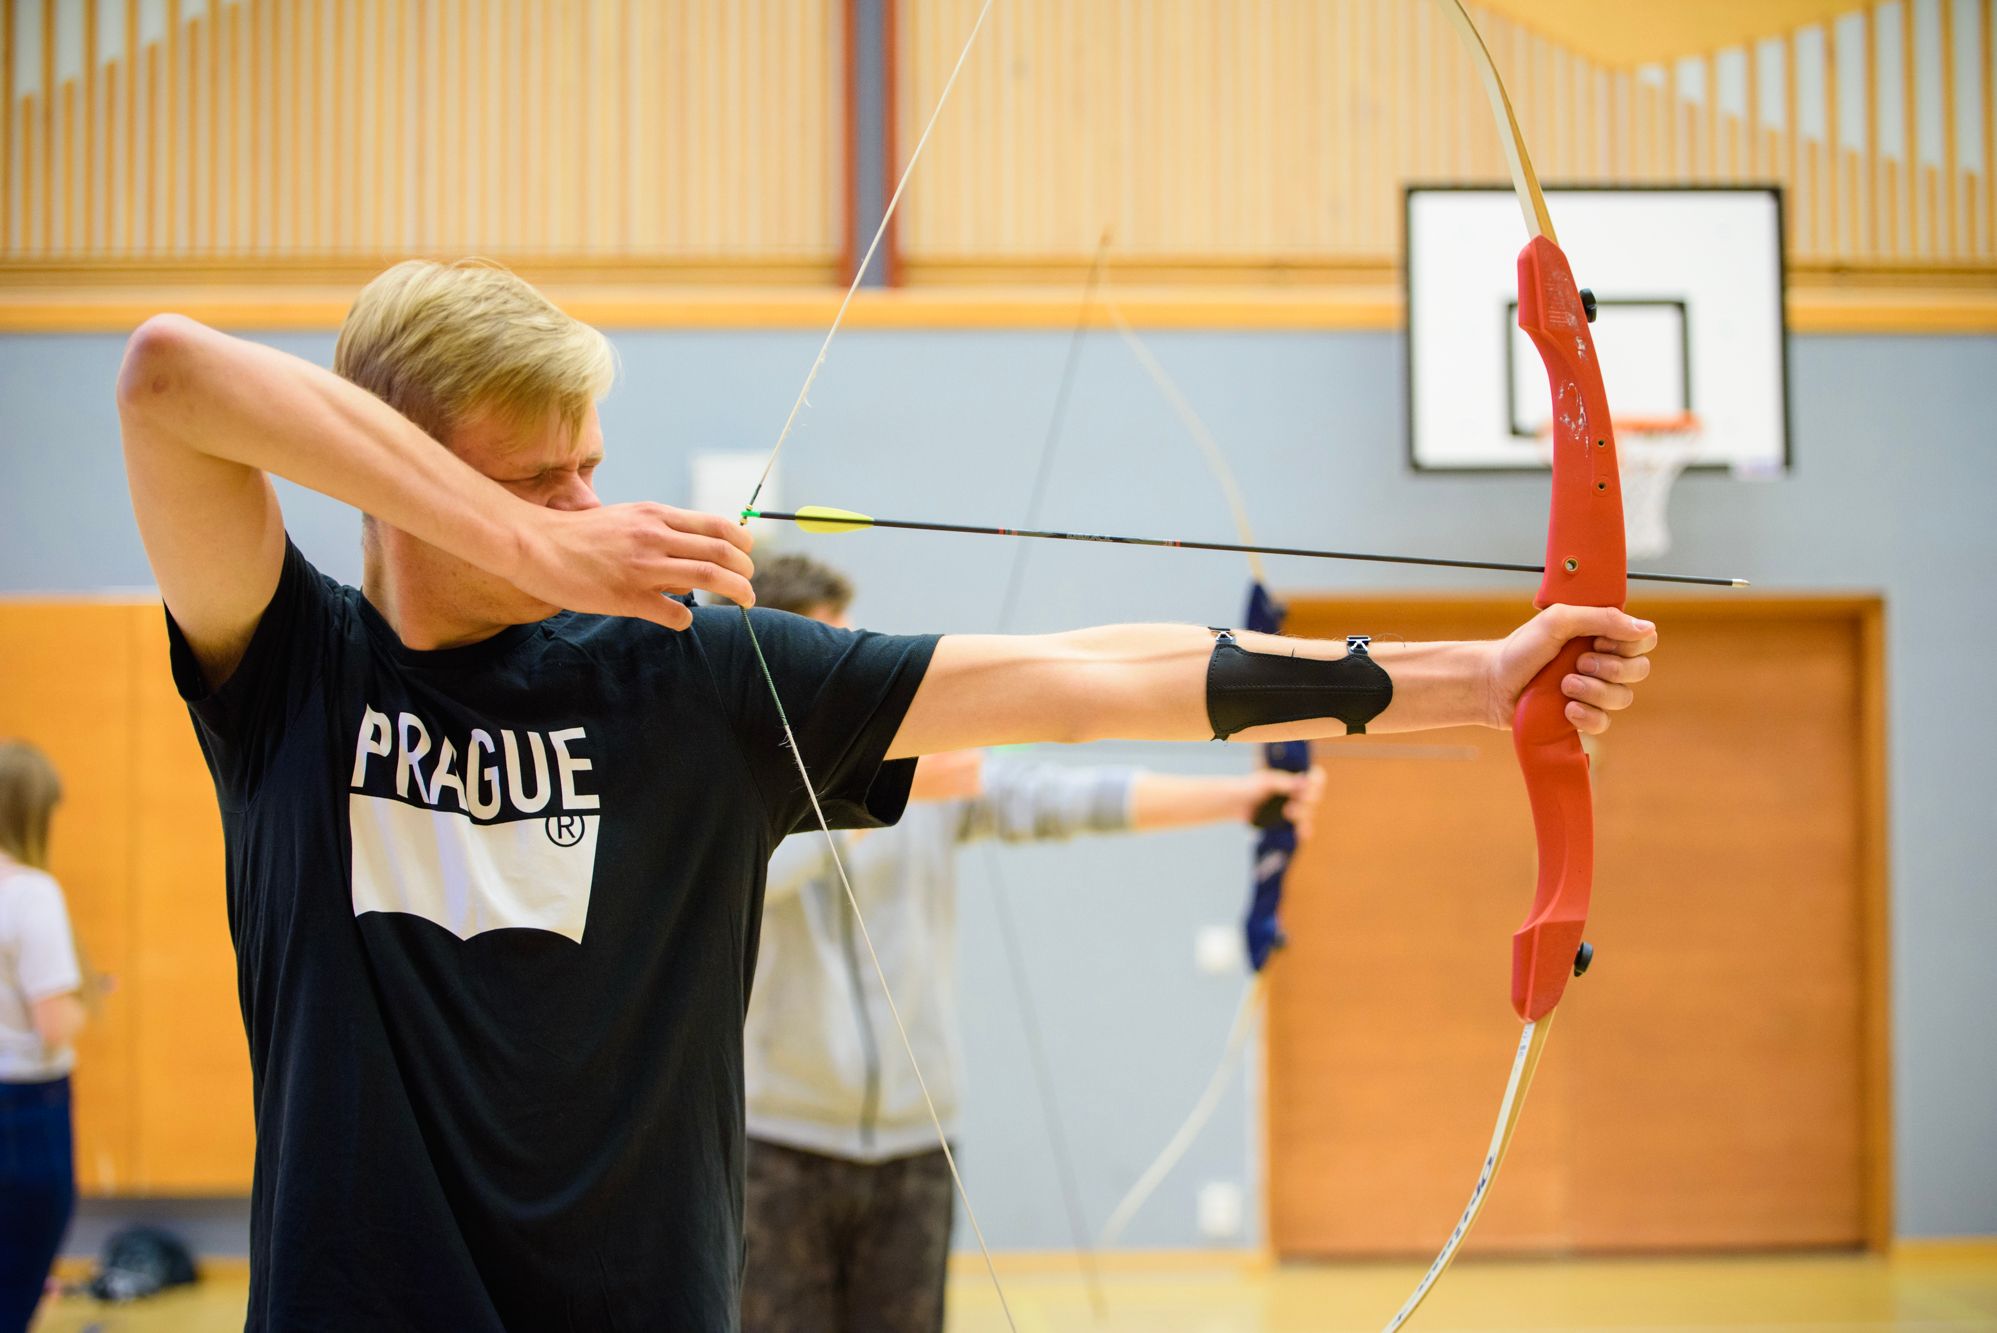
x=29 y=790
x=439 y=342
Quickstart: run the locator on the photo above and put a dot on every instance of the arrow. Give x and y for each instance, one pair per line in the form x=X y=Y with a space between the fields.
x=826 y=520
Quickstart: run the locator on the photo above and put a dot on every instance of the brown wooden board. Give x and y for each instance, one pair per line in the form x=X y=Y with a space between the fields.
x=1717 y=1080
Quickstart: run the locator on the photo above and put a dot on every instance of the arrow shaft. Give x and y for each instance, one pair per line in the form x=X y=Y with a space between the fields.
x=974 y=530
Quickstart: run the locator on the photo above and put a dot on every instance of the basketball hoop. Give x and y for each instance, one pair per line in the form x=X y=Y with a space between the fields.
x=1651 y=452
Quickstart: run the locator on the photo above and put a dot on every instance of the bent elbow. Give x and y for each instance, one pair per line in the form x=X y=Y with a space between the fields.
x=153 y=368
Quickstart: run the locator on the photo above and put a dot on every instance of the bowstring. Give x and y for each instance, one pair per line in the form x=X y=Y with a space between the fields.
x=776 y=698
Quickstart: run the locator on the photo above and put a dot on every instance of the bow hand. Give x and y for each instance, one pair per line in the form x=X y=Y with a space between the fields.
x=1567 y=669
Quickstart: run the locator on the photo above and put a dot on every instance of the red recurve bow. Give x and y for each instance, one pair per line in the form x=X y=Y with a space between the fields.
x=1585 y=566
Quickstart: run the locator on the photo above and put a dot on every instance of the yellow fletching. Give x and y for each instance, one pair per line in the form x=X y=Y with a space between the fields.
x=823 y=518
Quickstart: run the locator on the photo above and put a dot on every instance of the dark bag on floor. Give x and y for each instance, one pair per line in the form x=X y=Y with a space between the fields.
x=141 y=1261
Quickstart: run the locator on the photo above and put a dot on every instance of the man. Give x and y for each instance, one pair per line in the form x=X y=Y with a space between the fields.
x=497 y=821
x=849 y=1196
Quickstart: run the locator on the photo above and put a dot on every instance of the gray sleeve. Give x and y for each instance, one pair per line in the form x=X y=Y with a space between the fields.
x=45 y=958
x=1027 y=801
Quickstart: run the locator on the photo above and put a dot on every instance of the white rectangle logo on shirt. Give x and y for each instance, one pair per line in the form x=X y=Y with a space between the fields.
x=469 y=877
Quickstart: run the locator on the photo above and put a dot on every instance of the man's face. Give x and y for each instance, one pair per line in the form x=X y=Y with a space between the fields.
x=547 y=465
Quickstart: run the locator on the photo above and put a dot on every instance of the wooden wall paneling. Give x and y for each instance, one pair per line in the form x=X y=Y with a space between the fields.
x=1910 y=164
x=241 y=125
x=152 y=215
x=1833 y=205
x=215 y=233
x=583 y=140
x=88 y=211
x=1752 y=165
x=1951 y=233
x=201 y=132
x=1718 y=1080
x=354 y=123
x=64 y=107
x=1802 y=215
x=192 y=1121
x=1986 y=46
x=69 y=669
x=11 y=177
x=132 y=84
x=49 y=101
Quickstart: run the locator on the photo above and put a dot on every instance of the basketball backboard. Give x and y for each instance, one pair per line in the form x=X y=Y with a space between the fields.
x=1688 y=284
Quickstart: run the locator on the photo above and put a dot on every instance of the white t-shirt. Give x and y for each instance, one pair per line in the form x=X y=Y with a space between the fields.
x=37 y=960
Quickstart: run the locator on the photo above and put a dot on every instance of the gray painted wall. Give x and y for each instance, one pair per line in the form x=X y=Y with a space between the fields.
x=1893 y=485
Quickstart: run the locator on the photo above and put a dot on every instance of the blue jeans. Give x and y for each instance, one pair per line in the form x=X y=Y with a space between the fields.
x=37 y=1192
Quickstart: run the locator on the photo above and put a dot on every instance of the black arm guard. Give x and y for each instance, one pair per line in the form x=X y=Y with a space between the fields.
x=1247 y=689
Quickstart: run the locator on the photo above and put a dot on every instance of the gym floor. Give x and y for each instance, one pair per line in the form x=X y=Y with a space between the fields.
x=1941 y=1290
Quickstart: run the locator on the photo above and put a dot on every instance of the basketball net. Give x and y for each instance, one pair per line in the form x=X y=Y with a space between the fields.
x=1651 y=452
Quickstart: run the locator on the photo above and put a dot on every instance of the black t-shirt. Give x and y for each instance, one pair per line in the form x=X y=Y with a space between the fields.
x=495 y=911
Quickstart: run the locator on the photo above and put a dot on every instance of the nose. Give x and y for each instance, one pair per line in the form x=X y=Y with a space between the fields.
x=574 y=493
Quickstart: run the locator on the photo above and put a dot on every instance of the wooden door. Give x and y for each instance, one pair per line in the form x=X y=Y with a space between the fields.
x=1717 y=1080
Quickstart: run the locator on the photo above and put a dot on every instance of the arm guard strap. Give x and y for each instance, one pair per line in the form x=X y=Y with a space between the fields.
x=1247 y=689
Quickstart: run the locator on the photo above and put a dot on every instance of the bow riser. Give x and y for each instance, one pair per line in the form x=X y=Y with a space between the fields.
x=1544 y=948
x=1585 y=558
x=1584 y=567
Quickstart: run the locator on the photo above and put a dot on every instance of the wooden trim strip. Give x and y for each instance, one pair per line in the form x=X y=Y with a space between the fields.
x=1804 y=204
x=1834 y=240
x=70 y=238
x=194 y=165
x=1876 y=932
x=1875 y=190
x=849 y=240
x=628 y=305
x=1909 y=86
x=12 y=186
x=135 y=62
x=49 y=101
x=1990 y=128
x=91 y=120
x=214 y=232
x=1950 y=238
x=890 y=252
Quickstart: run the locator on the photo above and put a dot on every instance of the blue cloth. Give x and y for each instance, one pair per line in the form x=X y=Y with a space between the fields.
x=37 y=1192
x=1276 y=844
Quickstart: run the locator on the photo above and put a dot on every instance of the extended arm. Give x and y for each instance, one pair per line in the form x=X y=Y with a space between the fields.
x=1175 y=800
x=1148 y=682
x=206 y=417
